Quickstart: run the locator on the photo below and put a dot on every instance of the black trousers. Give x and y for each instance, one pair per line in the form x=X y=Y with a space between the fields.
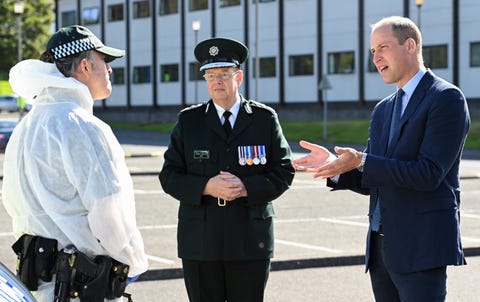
x=220 y=281
x=388 y=286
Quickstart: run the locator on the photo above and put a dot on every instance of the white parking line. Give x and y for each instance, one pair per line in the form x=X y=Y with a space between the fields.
x=470 y=239
x=160 y=260
x=474 y=216
x=157 y=227
x=147 y=192
x=329 y=220
x=308 y=246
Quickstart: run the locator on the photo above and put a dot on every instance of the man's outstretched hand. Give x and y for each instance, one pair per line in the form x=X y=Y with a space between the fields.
x=325 y=164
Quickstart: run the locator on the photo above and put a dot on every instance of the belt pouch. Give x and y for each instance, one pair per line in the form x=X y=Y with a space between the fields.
x=45 y=257
x=24 y=248
x=117 y=280
x=95 y=290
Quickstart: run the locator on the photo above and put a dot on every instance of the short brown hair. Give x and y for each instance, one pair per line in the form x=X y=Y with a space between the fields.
x=402 y=28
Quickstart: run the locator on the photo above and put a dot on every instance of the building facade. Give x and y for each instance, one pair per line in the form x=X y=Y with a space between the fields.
x=295 y=44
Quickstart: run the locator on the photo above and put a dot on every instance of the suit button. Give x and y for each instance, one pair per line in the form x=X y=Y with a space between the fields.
x=261 y=245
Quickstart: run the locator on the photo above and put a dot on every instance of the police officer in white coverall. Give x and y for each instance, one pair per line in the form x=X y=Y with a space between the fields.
x=65 y=176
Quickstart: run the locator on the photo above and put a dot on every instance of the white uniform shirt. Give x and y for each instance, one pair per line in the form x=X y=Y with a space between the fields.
x=65 y=175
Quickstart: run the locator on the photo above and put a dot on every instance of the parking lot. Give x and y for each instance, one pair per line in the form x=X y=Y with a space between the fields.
x=320 y=236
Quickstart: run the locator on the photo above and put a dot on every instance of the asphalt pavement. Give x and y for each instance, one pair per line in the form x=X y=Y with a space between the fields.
x=320 y=235
x=332 y=271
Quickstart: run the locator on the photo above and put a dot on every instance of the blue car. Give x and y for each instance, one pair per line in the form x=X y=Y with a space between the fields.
x=12 y=289
x=6 y=128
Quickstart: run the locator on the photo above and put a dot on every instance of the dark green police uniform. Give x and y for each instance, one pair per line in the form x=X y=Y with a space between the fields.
x=226 y=246
x=199 y=149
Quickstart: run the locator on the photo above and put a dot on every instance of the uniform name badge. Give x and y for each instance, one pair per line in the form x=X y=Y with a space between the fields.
x=252 y=155
x=201 y=154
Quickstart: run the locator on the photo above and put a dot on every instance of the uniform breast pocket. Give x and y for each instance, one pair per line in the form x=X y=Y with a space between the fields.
x=202 y=162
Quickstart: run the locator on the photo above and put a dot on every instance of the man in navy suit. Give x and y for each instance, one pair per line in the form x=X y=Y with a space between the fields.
x=410 y=168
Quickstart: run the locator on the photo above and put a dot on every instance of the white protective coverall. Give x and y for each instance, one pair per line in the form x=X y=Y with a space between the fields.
x=65 y=175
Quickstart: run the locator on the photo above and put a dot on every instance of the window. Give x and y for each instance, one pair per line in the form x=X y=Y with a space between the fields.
x=169 y=73
x=260 y=1
x=225 y=3
x=194 y=68
x=141 y=74
x=267 y=67
x=435 y=56
x=341 y=62
x=90 y=15
x=475 y=54
x=141 y=9
x=168 y=7
x=118 y=76
x=197 y=5
x=68 y=18
x=115 y=12
x=370 y=66
x=300 y=65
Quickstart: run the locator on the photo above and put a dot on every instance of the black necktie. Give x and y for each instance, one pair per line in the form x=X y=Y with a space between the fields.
x=226 y=124
x=397 y=114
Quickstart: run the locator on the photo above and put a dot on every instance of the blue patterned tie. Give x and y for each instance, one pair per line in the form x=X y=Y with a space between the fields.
x=397 y=114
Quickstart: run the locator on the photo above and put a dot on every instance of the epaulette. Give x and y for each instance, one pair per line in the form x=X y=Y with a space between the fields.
x=251 y=103
x=192 y=107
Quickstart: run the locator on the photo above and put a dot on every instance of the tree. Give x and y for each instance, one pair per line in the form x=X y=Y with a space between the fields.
x=37 y=22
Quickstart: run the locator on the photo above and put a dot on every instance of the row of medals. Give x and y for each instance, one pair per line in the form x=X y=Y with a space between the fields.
x=252 y=155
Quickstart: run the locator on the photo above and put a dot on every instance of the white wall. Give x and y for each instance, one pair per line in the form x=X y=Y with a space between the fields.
x=341 y=33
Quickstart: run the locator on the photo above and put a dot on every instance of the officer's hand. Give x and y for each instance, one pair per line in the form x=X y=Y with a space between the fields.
x=225 y=186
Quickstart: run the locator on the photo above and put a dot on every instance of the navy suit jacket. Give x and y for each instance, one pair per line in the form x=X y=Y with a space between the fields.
x=416 y=178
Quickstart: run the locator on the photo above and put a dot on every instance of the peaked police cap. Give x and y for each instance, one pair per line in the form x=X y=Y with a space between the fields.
x=220 y=52
x=75 y=39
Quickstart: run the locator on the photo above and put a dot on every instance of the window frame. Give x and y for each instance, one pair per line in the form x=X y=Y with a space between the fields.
x=166 y=4
x=265 y=63
x=113 y=10
x=341 y=62
x=118 y=76
x=141 y=9
x=142 y=74
x=88 y=15
x=475 y=54
x=431 y=59
x=304 y=67
x=196 y=5
x=174 y=75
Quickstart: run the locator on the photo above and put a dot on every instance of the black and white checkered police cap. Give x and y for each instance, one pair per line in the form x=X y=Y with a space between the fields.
x=75 y=39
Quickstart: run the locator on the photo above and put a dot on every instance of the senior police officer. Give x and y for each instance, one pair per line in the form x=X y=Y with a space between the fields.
x=66 y=185
x=226 y=162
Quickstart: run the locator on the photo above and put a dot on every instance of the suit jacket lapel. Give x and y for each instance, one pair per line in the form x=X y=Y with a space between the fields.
x=388 y=117
x=418 y=95
x=415 y=100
